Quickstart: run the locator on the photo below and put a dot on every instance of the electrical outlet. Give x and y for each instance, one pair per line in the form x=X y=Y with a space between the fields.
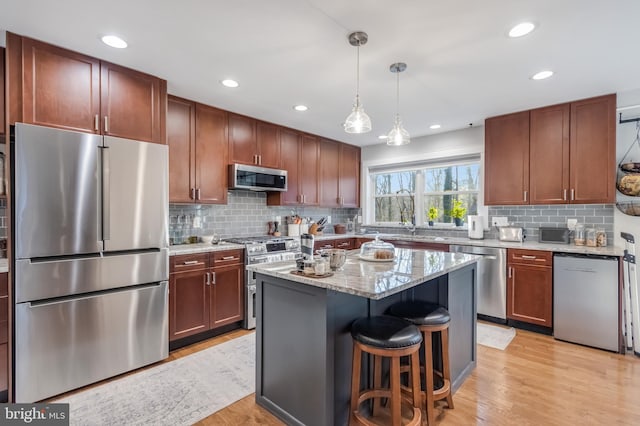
x=499 y=221
x=329 y=219
x=571 y=224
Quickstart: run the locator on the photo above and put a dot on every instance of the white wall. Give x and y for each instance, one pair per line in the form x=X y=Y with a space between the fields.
x=625 y=134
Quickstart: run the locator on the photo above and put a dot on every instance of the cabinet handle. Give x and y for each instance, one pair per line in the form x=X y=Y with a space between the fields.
x=572 y=194
x=197 y=193
x=193 y=193
x=260 y=159
x=213 y=278
x=304 y=198
x=96 y=123
x=564 y=194
x=525 y=256
x=190 y=262
x=228 y=257
x=106 y=124
x=208 y=280
x=525 y=196
x=510 y=272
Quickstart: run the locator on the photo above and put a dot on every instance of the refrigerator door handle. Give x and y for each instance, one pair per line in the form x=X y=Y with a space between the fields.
x=106 y=193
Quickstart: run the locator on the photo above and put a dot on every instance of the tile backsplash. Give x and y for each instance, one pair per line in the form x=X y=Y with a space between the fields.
x=245 y=214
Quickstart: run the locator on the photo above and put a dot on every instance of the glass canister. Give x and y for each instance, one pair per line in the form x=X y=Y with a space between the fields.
x=578 y=236
x=591 y=237
x=601 y=237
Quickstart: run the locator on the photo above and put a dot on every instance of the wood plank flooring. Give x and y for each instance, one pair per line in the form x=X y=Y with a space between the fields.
x=536 y=381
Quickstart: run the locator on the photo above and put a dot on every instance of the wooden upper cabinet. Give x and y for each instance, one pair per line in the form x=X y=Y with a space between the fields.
x=309 y=170
x=549 y=155
x=64 y=89
x=593 y=148
x=211 y=155
x=133 y=104
x=268 y=138
x=2 y=120
x=289 y=161
x=242 y=139
x=181 y=136
x=349 y=183
x=507 y=159
x=60 y=88
x=329 y=173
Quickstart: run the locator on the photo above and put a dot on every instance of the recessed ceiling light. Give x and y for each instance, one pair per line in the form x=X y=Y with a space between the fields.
x=229 y=83
x=300 y=107
x=521 y=29
x=542 y=75
x=434 y=126
x=382 y=137
x=114 y=41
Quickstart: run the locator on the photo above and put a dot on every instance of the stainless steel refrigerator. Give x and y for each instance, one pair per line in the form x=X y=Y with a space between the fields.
x=91 y=260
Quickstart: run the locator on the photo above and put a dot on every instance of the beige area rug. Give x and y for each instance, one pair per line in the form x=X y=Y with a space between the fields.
x=179 y=392
x=495 y=336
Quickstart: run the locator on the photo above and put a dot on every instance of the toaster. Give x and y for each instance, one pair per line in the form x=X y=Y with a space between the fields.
x=511 y=233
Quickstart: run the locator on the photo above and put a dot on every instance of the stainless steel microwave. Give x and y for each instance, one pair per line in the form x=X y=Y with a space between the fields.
x=242 y=176
x=553 y=235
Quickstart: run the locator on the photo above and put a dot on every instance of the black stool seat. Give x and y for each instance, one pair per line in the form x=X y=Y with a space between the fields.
x=420 y=313
x=385 y=332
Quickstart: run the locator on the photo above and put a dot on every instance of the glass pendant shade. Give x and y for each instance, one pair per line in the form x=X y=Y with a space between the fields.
x=398 y=135
x=358 y=121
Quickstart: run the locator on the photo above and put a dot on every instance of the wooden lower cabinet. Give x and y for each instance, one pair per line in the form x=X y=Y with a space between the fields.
x=206 y=291
x=530 y=287
x=4 y=333
x=326 y=244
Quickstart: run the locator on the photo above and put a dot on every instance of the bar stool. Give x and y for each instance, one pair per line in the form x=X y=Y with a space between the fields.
x=385 y=336
x=430 y=318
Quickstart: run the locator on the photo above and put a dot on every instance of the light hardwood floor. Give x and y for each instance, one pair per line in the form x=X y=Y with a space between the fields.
x=536 y=381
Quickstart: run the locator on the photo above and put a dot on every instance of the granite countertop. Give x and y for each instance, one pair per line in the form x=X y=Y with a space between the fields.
x=202 y=248
x=4 y=265
x=527 y=245
x=376 y=280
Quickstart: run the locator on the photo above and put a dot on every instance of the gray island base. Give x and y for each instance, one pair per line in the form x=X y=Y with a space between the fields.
x=303 y=340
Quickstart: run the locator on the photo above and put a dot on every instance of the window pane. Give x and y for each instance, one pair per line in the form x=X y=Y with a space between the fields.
x=444 y=203
x=394 y=209
x=392 y=183
x=453 y=178
x=467 y=177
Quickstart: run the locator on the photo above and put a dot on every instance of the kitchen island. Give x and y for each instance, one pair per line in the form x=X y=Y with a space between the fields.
x=303 y=341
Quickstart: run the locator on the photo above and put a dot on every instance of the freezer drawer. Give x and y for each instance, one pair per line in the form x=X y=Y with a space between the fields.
x=37 y=280
x=70 y=343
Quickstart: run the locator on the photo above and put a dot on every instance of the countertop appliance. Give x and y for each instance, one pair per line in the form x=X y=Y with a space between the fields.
x=476 y=227
x=91 y=263
x=511 y=233
x=254 y=178
x=553 y=235
x=492 y=281
x=263 y=249
x=585 y=300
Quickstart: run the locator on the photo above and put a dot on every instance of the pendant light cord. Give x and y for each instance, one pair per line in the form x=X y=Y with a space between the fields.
x=358 y=74
x=397 y=95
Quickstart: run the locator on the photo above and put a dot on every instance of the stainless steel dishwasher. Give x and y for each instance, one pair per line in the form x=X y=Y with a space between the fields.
x=585 y=300
x=492 y=281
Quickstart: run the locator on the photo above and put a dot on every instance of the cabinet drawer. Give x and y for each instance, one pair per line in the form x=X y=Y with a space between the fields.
x=227 y=257
x=345 y=243
x=188 y=262
x=319 y=245
x=530 y=257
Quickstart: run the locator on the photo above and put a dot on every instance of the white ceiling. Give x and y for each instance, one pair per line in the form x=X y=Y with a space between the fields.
x=461 y=69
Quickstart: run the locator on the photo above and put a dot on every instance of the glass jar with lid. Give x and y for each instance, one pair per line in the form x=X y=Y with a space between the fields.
x=578 y=236
x=601 y=237
x=591 y=237
x=377 y=250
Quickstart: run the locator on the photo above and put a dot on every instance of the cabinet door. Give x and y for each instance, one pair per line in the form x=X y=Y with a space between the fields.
x=349 y=183
x=268 y=136
x=188 y=303
x=242 y=140
x=181 y=137
x=61 y=88
x=529 y=294
x=227 y=295
x=133 y=104
x=507 y=159
x=326 y=244
x=2 y=108
x=211 y=155
x=549 y=155
x=289 y=161
x=345 y=243
x=329 y=173
x=592 y=150
x=309 y=170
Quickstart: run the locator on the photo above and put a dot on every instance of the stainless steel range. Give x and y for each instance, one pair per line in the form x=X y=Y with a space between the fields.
x=263 y=249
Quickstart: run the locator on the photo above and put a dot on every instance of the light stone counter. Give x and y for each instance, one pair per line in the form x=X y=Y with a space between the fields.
x=376 y=280
x=202 y=248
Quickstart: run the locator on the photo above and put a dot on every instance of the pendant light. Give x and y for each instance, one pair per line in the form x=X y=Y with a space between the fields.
x=398 y=135
x=358 y=121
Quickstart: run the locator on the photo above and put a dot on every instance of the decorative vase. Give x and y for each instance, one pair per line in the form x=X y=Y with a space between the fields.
x=458 y=221
x=430 y=223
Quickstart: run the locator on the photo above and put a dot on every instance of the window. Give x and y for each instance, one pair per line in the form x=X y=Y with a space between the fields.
x=398 y=195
